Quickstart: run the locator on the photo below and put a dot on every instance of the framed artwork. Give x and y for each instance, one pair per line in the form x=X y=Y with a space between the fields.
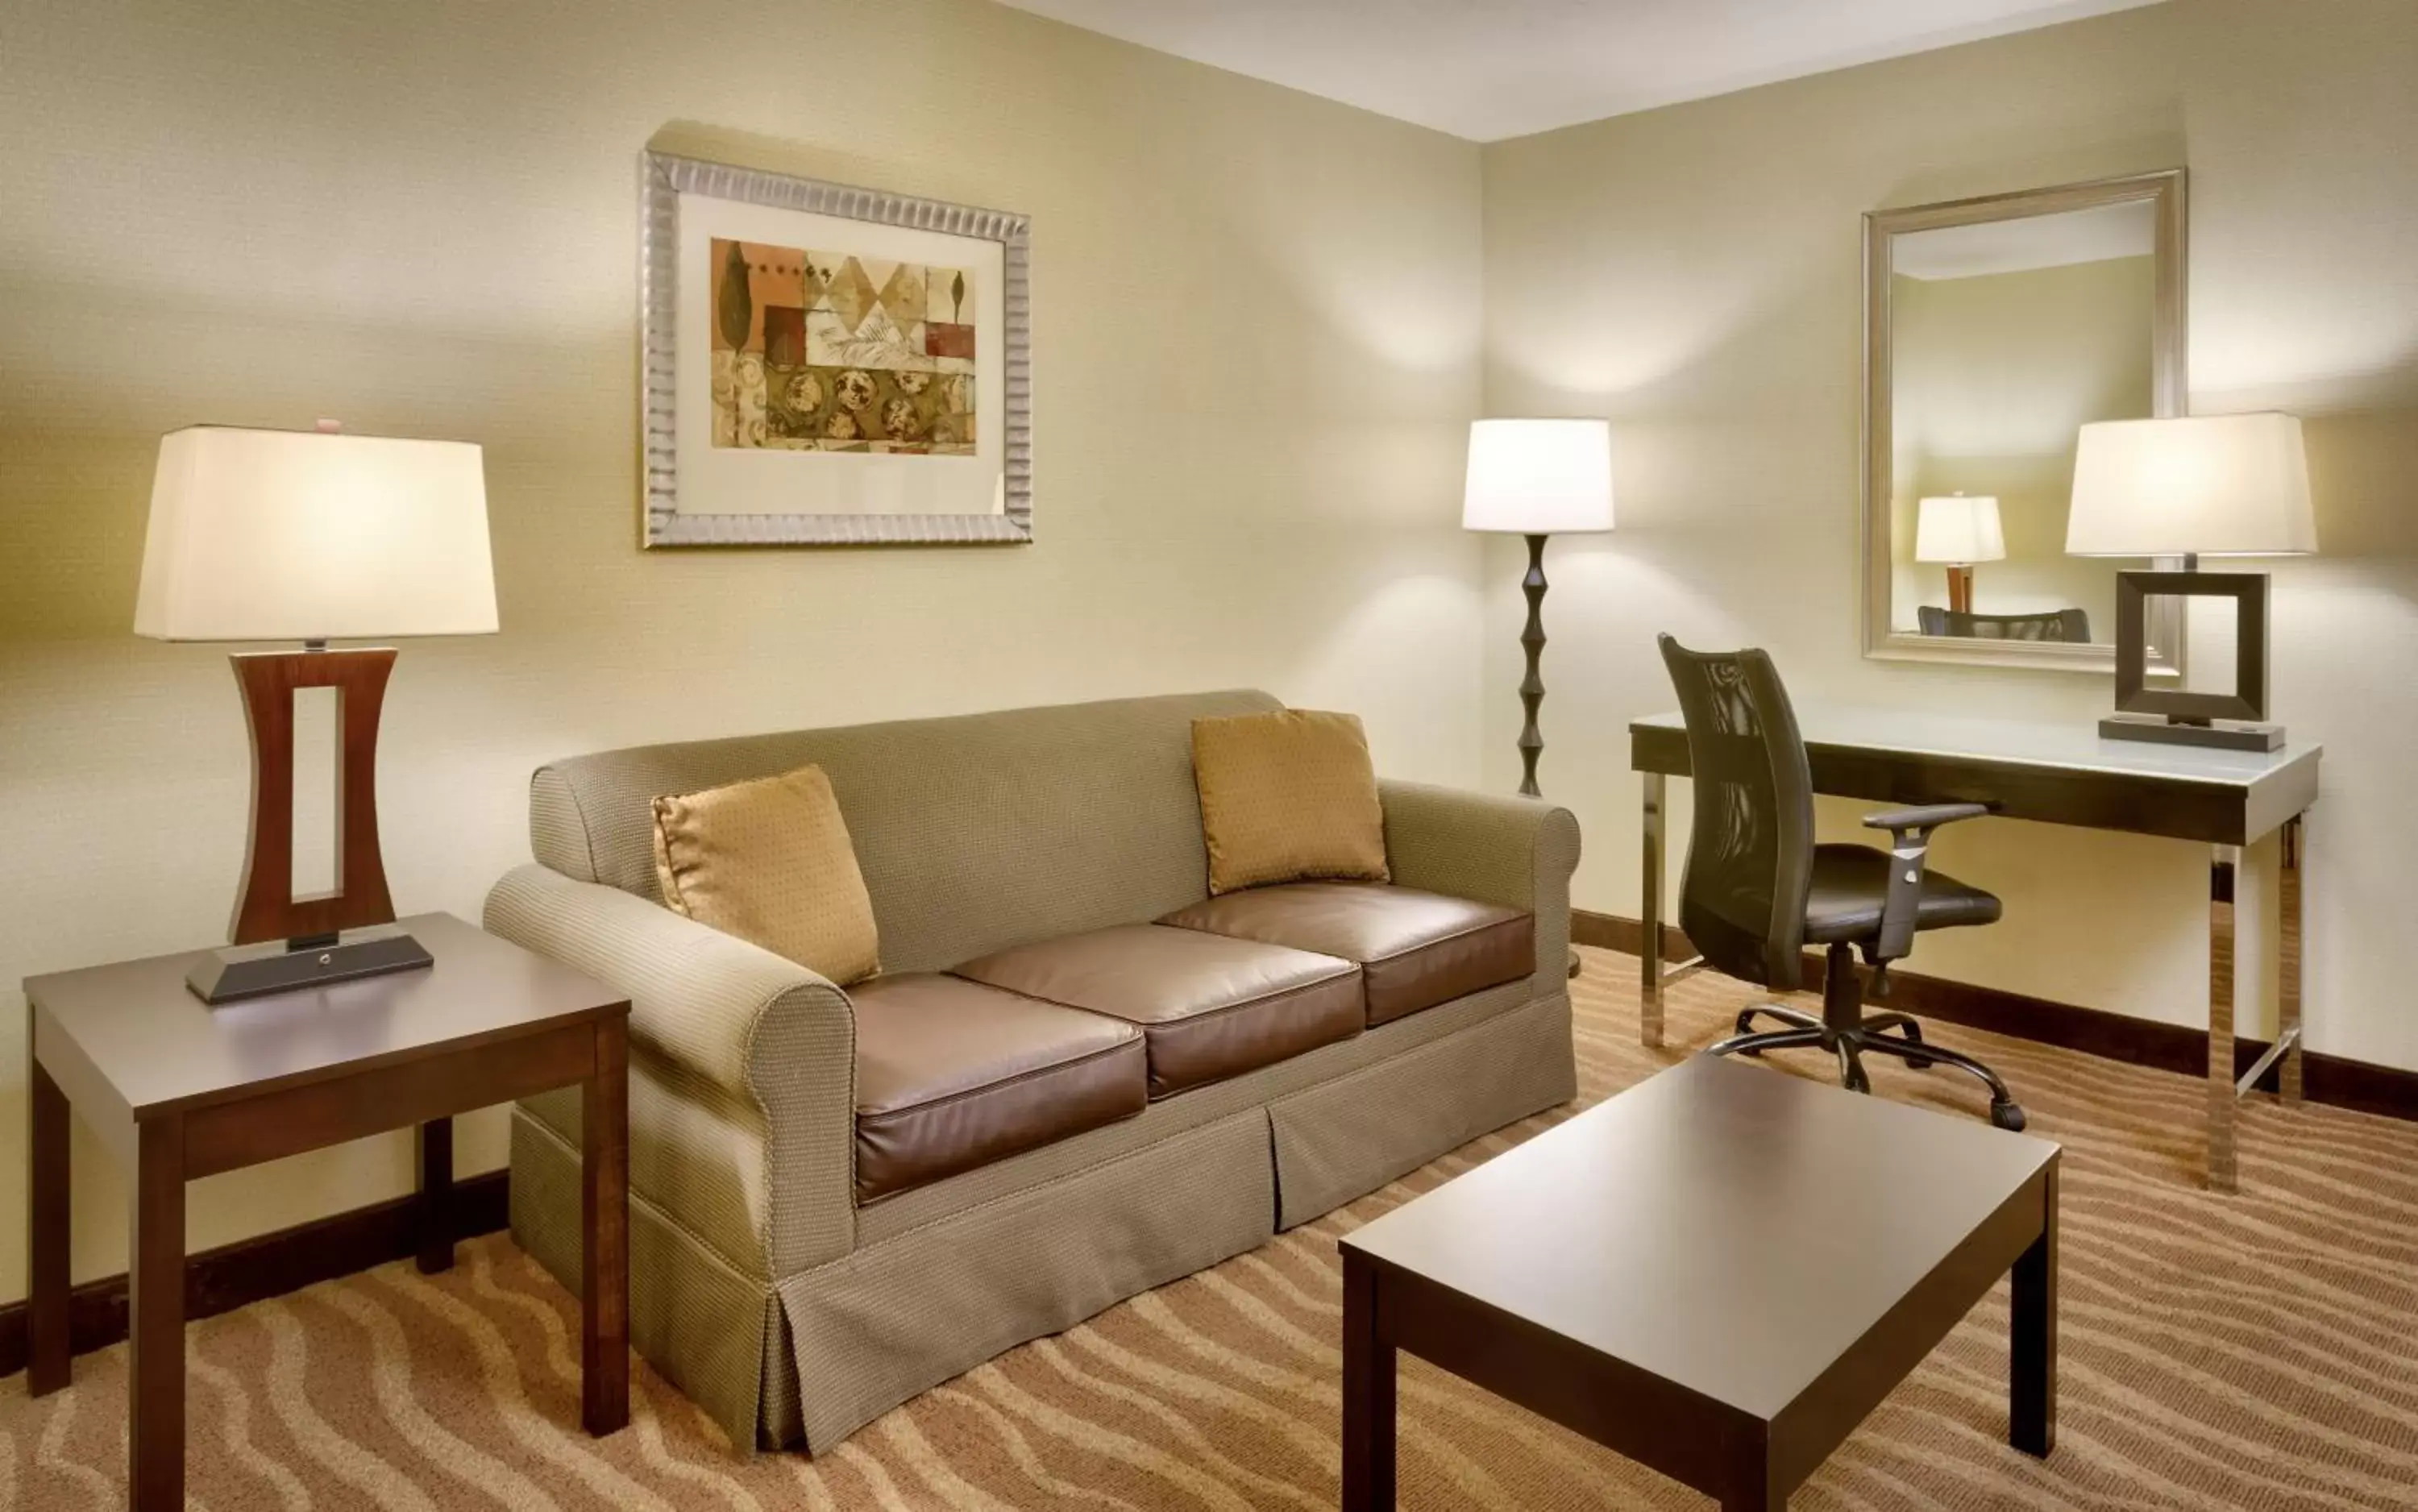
x=828 y=366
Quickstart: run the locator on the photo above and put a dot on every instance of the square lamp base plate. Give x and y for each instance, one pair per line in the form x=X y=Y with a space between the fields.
x=2218 y=735
x=258 y=971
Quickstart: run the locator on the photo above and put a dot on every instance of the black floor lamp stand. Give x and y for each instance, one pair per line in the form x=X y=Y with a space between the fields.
x=1532 y=686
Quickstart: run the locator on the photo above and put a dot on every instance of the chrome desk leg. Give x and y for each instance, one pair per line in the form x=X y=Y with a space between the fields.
x=1649 y=950
x=2287 y=962
x=2223 y=860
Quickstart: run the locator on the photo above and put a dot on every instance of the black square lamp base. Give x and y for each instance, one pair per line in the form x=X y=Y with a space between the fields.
x=2217 y=735
x=2217 y=721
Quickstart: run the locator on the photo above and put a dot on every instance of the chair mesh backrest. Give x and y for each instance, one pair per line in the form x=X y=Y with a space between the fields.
x=2057 y=624
x=1751 y=852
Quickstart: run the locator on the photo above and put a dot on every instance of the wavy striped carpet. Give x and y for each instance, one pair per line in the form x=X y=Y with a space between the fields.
x=2252 y=1351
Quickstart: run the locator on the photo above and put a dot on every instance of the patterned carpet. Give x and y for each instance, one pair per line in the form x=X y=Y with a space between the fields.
x=2250 y=1352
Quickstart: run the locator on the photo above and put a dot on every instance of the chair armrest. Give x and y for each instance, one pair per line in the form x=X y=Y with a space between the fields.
x=759 y=1036
x=1488 y=848
x=1909 y=849
x=1926 y=817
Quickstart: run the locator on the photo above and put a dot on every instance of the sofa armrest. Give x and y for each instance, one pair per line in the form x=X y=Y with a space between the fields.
x=763 y=1040
x=1519 y=852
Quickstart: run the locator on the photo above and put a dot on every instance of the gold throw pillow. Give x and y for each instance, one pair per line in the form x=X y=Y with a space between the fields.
x=1287 y=797
x=769 y=861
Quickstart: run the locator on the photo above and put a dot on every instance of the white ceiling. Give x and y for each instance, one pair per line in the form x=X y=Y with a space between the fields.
x=1492 y=69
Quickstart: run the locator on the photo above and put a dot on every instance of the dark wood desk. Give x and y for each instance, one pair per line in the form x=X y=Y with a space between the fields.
x=2056 y=774
x=1718 y=1273
x=177 y=1089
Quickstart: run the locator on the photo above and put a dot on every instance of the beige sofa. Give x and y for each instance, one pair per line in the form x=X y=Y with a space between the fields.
x=795 y=1303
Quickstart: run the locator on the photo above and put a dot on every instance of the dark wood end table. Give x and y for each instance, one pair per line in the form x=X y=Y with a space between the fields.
x=177 y=1090
x=1718 y=1274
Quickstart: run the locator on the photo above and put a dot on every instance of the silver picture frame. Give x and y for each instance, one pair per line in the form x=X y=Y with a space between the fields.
x=664 y=522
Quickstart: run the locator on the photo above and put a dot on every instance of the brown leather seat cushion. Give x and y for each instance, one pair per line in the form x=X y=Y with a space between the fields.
x=1416 y=949
x=1211 y=1007
x=952 y=1074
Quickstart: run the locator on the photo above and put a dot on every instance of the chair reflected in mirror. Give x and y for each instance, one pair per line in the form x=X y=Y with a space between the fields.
x=2072 y=625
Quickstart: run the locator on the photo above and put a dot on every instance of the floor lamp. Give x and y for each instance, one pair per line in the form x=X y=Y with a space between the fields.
x=1538 y=478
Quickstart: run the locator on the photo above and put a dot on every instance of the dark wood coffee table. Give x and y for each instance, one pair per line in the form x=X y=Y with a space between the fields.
x=1718 y=1273
x=177 y=1089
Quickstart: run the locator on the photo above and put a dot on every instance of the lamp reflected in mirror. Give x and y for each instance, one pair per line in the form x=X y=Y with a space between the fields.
x=1956 y=532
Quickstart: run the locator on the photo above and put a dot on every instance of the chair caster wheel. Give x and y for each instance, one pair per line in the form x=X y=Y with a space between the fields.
x=2006 y=1116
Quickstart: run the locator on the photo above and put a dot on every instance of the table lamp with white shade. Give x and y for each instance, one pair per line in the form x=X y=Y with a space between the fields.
x=2205 y=485
x=1538 y=477
x=1955 y=531
x=313 y=536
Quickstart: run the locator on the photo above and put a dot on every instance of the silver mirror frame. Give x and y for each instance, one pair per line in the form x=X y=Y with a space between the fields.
x=2168 y=376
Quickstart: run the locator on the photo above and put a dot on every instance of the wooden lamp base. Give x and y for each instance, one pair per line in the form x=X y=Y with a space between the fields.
x=1960 y=590
x=284 y=943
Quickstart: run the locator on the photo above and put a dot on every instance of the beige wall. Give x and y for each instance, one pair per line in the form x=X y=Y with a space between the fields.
x=1693 y=272
x=1256 y=339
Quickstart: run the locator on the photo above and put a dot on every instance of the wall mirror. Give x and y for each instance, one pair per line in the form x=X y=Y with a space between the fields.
x=1995 y=328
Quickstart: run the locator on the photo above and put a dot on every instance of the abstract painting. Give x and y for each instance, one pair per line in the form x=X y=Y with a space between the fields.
x=823 y=351
x=823 y=365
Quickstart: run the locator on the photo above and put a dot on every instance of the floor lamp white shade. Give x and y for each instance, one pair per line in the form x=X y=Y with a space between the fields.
x=314 y=536
x=1539 y=477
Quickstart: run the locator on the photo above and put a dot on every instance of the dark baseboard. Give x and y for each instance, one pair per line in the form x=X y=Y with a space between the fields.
x=2177 y=1048
x=1610 y=931
x=269 y=1265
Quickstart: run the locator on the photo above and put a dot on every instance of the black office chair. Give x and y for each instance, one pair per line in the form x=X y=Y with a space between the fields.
x=2072 y=625
x=1758 y=890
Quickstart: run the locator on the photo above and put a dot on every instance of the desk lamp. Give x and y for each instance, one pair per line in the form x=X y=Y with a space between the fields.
x=2209 y=485
x=313 y=536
